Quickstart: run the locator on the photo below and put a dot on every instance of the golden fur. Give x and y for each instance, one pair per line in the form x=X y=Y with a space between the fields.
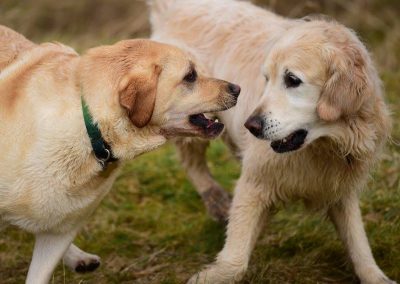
x=338 y=102
x=50 y=180
x=15 y=44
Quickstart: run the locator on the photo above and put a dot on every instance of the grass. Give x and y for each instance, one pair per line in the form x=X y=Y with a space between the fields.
x=153 y=228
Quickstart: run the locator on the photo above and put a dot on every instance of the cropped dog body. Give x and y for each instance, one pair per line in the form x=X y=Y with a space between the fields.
x=309 y=88
x=138 y=92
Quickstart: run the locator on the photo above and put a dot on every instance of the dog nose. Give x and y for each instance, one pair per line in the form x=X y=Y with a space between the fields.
x=255 y=125
x=234 y=90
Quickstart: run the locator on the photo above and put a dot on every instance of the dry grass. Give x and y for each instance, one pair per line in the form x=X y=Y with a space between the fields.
x=152 y=228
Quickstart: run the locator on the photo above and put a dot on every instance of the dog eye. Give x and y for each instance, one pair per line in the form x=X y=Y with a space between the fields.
x=292 y=81
x=191 y=76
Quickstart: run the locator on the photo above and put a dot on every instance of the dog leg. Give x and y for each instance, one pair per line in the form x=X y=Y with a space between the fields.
x=193 y=156
x=49 y=248
x=346 y=216
x=246 y=218
x=79 y=261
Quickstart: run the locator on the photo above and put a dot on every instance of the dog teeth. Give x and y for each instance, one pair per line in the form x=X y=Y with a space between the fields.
x=284 y=140
x=216 y=120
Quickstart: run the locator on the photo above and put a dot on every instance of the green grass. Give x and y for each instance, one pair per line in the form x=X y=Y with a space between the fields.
x=152 y=228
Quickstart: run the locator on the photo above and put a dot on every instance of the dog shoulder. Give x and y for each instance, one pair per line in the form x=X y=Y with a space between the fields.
x=12 y=45
x=15 y=78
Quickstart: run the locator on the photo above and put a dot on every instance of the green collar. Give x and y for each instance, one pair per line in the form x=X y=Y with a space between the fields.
x=101 y=149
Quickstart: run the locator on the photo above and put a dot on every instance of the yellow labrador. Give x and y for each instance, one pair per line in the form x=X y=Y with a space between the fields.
x=315 y=116
x=69 y=121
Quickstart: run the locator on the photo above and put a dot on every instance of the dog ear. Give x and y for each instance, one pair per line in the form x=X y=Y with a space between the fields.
x=137 y=94
x=347 y=86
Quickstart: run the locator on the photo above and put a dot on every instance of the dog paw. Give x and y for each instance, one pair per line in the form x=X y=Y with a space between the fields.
x=79 y=261
x=87 y=265
x=382 y=280
x=388 y=281
x=207 y=277
x=375 y=276
x=217 y=202
x=219 y=273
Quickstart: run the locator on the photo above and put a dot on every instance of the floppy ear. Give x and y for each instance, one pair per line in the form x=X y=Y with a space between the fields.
x=347 y=86
x=137 y=94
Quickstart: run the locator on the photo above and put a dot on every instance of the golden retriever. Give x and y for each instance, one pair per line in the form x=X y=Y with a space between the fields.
x=310 y=123
x=133 y=95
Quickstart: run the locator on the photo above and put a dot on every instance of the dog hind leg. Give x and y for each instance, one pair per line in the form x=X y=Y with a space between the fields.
x=193 y=156
x=79 y=261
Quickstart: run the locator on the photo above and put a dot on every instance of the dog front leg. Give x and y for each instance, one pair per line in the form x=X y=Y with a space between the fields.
x=346 y=216
x=49 y=248
x=193 y=156
x=246 y=218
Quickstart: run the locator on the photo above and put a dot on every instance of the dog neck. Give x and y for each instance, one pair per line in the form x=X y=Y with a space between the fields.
x=101 y=97
x=101 y=148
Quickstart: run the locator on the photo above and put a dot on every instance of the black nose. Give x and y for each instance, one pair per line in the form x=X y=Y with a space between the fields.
x=234 y=90
x=255 y=125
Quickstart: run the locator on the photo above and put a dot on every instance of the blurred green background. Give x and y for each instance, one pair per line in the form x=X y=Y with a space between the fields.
x=152 y=228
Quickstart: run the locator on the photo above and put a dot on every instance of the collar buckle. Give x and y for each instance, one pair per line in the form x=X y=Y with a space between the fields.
x=103 y=161
x=102 y=151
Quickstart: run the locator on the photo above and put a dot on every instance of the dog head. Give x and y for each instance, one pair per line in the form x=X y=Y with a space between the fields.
x=319 y=74
x=149 y=84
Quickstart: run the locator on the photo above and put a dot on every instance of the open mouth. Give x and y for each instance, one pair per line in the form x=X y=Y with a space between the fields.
x=210 y=127
x=291 y=142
